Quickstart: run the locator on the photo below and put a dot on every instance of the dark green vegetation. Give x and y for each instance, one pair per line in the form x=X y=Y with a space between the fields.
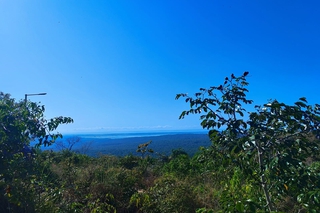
x=263 y=161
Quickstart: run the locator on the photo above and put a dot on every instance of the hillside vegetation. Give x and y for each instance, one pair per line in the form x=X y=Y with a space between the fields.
x=261 y=161
x=163 y=144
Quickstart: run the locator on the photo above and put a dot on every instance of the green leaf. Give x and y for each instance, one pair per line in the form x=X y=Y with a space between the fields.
x=303 y=99
x=300 y=104
x=239 y=206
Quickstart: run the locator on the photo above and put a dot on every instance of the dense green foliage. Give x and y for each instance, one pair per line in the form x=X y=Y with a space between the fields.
x=69 y=182
x=263 y=161
x=22 y=122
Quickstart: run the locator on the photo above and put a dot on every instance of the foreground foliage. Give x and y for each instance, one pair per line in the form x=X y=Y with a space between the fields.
x=272 y=146
x=70 y=182
x=21 y=123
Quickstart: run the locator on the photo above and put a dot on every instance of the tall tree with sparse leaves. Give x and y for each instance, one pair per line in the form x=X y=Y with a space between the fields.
x=272 y=145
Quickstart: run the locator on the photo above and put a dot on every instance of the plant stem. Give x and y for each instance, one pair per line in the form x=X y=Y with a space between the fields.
x=263 y=180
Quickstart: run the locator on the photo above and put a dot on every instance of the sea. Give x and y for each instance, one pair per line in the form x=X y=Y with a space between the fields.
x=125 y=143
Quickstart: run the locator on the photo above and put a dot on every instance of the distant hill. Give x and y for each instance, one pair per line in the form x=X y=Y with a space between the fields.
x=163 y=144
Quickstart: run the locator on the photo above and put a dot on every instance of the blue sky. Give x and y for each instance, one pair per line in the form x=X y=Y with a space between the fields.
x=117 y=65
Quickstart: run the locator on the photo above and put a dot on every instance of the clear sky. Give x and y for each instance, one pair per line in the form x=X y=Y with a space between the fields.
x=117 y=65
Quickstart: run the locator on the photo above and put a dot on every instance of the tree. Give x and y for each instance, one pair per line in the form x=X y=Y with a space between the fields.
x=68 y=144
x=21 y=123
x=271 y=145
x=143 y=149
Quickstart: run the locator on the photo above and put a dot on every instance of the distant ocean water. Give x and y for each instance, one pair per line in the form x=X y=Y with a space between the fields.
x=119 y=135
x=123 y=143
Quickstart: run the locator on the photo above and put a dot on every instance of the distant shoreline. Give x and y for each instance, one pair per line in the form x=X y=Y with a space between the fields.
x=120 y=134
